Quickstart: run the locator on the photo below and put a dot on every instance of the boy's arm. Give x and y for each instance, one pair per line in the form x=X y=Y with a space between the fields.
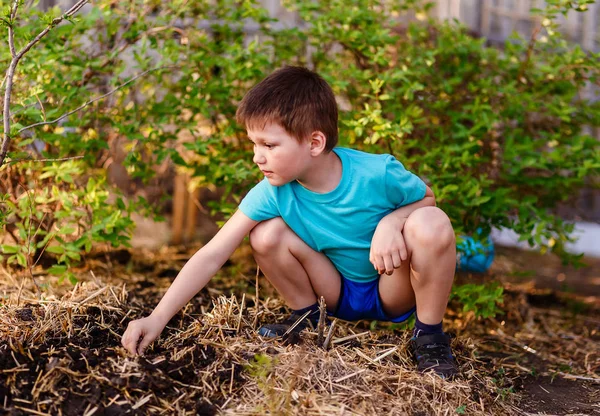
x=388 y=249
x=403 y=212
x=194 y=275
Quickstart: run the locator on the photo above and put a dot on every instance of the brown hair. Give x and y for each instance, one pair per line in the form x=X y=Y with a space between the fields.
x=296 y=98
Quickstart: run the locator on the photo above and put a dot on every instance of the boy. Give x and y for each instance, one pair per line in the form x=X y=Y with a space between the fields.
x=355 y=228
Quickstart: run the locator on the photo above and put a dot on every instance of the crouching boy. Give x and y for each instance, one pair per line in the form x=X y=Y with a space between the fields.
x=353 y=227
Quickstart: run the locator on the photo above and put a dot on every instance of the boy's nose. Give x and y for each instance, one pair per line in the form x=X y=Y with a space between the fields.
x=258 y=158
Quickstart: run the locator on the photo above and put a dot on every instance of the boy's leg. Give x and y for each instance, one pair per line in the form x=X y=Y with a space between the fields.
x=297 y=272
x=425 y=278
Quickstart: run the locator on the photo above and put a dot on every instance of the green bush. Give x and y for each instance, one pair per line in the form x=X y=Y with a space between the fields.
x=497 y=133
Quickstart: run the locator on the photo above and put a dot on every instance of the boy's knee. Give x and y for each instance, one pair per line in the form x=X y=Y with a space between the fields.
x=267 y=235
x=429 y=227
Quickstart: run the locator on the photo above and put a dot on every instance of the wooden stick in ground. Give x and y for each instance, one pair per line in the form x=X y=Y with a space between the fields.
x=329 y=334
x=322 y=318
x=256 y=300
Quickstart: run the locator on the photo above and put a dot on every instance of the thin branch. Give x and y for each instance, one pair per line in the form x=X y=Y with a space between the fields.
x=6 y=139
x=11 y=32
x=41 y=123
x=41 y=106
x=43 y=250
x=530 y=47
x=29 y=242
x=575 y=377
x=62 y=159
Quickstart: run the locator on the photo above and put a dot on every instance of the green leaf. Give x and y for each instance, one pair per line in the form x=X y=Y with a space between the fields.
x=21 y=260
x=7 y=249
x=66 y=230
x=57 y=269
x=72 y=278
x=55 y=249
x=14 y=128
x=480 y=200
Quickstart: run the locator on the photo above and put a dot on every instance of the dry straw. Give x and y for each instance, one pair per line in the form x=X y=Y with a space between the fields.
x=62 y=355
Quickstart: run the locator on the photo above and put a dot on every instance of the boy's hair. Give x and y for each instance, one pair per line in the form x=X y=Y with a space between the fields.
x=297 y=99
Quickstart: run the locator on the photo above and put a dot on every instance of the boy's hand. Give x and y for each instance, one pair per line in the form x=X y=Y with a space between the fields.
x=140 y=333
x=388 y=249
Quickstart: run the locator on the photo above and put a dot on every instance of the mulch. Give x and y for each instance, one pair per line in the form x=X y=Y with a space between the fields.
x=60 y=352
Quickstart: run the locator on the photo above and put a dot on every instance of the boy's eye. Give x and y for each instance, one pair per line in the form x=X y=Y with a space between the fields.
x=269 y=146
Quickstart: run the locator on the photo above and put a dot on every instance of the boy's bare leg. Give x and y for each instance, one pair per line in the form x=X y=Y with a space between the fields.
x=426 y=277
x=297 y=272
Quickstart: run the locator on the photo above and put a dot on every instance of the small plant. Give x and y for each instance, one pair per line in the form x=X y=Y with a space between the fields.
x=505 y=392
x=483 y=300
x=404 y=326
x=261 y=366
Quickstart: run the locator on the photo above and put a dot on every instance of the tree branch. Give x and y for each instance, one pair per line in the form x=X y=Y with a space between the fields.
x=41 y=123
x=62 y=159
x=6 y=139
x=16 y=57
x=530 y=47
x=11 y=32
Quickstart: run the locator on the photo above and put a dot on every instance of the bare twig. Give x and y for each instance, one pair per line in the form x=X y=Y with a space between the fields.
x=385 y=354
x=349 y=337
x=41 y=106
x=295 y=324
x=61 y=159
x=349 y=375
x=256 y=300
x=576 y=377
x=322 y=318
x=16 y=57
x=93 y=295
x=329 y=334
x=29 y=242
x=530 y=47
x=11 y=32
x=7 y=92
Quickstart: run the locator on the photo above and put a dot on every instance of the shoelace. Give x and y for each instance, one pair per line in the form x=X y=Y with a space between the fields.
x=435 y=351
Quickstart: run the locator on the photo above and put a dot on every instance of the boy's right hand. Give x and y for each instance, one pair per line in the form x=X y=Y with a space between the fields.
x=140 y=333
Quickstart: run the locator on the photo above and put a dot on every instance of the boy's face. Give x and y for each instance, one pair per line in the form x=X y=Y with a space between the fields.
x=281 y=157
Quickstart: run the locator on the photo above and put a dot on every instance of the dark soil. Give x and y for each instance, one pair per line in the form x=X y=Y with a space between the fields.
x=90 y=358
x=559 y=396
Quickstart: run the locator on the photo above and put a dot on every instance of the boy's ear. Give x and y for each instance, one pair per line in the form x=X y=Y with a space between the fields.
x=318 y=141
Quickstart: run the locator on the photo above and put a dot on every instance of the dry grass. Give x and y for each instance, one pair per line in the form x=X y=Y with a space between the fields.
x=62 y=355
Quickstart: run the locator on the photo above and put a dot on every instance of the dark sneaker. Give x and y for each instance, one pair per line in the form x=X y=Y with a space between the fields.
x=432 y=353
x=294 y=323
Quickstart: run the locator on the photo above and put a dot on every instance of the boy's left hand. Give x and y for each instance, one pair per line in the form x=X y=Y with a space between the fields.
x=388 y=249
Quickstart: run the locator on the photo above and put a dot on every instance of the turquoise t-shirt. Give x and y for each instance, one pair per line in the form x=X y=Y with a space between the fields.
x=340 y=223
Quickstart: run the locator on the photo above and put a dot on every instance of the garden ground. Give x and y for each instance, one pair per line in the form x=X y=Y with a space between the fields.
x=62 y=354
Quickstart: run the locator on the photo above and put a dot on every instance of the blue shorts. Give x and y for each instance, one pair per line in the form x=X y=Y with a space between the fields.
x=360 y=300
